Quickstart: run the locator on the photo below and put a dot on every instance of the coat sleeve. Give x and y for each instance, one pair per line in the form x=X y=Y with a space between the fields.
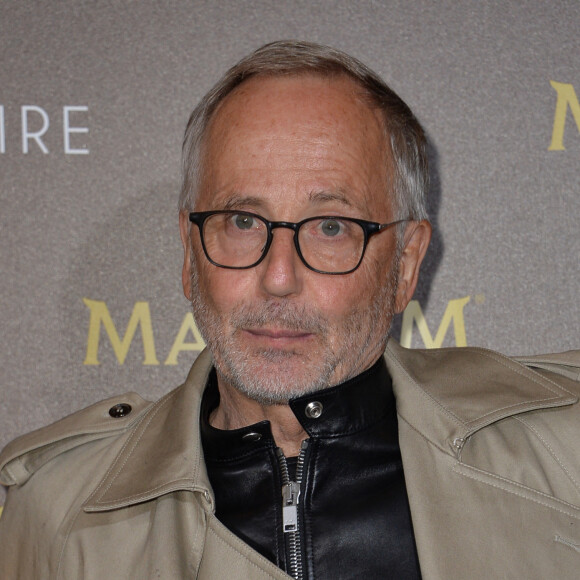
x=26 y=532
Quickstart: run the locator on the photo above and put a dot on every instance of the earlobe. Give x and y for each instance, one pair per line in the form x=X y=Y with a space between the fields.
x=184 y=232
x=415 y=243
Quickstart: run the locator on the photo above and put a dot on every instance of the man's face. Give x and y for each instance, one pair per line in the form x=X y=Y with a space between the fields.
x=289 y=149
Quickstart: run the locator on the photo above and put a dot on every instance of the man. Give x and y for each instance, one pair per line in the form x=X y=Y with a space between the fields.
x=303 y=226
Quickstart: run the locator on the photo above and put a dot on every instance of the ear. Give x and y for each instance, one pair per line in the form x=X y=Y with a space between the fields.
x=185 y=233
x=415 y=243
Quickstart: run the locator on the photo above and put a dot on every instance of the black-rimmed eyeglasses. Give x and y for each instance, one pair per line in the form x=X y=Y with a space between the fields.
x=325 y=244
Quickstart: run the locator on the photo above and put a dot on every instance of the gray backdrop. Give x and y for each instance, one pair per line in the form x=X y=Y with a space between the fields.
x=94 y=97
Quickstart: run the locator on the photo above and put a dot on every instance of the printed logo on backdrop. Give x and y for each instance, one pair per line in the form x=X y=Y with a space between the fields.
x=34 y=125
x=566 y=101
x=188 y=339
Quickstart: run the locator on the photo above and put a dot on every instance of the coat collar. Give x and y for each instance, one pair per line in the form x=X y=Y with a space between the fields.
x=163 y=452
x=449 y=394
x=445 y=394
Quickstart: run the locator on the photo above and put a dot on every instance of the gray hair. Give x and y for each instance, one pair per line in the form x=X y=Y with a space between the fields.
x=285 y=58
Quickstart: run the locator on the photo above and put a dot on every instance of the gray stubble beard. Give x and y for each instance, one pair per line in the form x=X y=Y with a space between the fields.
x=245 y=374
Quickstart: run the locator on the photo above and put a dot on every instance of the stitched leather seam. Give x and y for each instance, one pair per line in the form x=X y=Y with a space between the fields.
x=314 y=451
x=276 y=486
x=256 y=451
x=355 y=430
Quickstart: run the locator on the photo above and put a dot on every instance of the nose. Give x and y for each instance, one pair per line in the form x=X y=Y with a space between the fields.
x=280 y=270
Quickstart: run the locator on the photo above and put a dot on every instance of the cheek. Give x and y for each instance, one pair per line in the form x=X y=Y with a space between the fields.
x=339 y=296
x=213 y=285
x=355 y=299
x=224 y=290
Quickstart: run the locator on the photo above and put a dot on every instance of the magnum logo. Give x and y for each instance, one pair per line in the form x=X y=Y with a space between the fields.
x=413 y=315
x=567 y=99
x=100 y=317
x=140 y=317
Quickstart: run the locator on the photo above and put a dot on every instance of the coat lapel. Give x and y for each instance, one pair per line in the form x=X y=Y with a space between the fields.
x=163 y=453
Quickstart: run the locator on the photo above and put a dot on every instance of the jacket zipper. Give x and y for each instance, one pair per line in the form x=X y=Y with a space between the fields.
x=290 y=502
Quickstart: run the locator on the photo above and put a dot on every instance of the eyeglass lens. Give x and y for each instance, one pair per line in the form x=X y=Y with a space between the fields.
x=238 y=240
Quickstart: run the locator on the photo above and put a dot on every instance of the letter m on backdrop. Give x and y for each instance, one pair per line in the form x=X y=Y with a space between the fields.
x=566 y=99
x=453 y=313
x=100 y=316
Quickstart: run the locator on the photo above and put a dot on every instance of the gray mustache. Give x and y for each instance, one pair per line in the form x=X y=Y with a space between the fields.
x=290 y=317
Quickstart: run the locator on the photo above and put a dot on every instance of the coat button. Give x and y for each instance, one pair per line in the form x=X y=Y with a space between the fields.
x=120 y=410
x=313 y=410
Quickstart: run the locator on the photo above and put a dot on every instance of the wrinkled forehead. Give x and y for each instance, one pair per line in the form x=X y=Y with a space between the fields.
x=299 y=123
x=314 y=96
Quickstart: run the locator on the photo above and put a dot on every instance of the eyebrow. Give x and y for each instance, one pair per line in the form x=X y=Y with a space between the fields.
x=324 y=196
x=238 y=201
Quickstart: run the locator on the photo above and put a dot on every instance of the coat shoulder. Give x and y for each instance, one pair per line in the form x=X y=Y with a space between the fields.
x=22 y=457
x=469 y=388
x=439 y=363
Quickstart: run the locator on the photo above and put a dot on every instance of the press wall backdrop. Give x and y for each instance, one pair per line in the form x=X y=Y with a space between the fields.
x=94 y=97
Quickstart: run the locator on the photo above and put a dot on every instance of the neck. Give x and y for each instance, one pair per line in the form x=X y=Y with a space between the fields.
x=236 y=410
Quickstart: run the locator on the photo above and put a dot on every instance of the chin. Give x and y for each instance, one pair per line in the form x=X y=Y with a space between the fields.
x=275 y=377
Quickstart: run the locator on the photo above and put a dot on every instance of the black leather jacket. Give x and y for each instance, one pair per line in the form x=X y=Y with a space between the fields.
x=346 y=515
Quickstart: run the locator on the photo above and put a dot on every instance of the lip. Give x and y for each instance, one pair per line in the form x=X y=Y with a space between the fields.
x=278 y=335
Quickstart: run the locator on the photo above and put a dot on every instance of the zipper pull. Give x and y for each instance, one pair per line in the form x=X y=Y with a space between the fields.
x=290 y=496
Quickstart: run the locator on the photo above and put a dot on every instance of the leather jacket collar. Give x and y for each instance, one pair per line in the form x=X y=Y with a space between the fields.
x=344 y=409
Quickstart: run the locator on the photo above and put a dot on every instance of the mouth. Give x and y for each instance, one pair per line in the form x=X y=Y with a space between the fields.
x=278 y=336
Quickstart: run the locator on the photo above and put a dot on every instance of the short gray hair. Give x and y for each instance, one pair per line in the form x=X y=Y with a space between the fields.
x=285 y=58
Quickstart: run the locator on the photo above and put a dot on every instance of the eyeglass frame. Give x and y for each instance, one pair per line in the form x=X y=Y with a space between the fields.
x=369 y=229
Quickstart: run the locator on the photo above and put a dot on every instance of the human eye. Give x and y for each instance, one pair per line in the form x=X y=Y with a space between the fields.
x=331 y=228
x=326 y=230
x=243 y=223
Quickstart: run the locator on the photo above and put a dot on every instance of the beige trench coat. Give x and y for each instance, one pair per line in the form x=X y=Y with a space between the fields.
x=490 y=446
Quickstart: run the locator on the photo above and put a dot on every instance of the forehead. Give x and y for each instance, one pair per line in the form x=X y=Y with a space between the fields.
x=293 y=136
